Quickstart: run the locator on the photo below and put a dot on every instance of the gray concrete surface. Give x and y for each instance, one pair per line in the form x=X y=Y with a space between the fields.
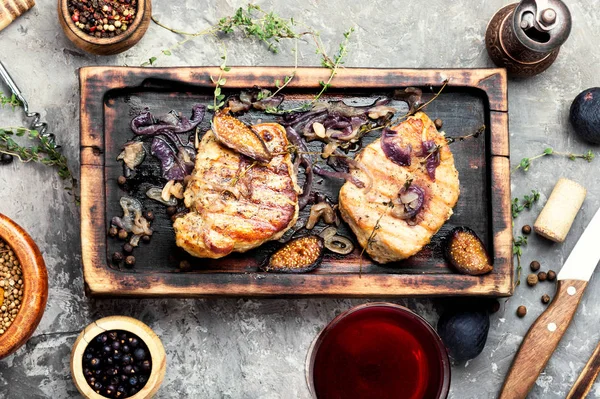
x=253 y=348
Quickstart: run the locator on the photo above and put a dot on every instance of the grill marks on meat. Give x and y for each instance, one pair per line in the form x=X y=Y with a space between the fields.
x=236 y=203
x=397 y=239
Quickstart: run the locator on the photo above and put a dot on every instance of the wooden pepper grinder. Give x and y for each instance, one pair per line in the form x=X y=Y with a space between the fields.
x=525 y=37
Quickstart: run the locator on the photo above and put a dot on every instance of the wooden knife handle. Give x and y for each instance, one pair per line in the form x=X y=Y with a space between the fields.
x=542 y=339
x=587 y=377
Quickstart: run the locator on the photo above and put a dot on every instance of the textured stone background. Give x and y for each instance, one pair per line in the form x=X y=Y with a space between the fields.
x=241 y=348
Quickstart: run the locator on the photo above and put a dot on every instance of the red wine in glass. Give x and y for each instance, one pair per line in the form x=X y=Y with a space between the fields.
x=378 y=351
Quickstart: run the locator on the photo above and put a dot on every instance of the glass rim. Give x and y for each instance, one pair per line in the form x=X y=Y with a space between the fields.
x=445 y=371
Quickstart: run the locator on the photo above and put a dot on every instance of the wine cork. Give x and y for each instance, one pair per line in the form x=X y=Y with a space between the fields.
x=11 y=9
x=555 y=220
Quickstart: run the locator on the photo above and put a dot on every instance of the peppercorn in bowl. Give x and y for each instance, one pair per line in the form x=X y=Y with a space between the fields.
x=118 y=357
x=23 y=286
x=104 y=27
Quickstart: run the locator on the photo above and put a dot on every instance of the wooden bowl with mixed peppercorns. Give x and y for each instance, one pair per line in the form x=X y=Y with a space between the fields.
x=23 y=286
x=104 y=27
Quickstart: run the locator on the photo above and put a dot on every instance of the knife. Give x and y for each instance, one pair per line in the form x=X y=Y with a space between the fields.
x=588 y=375
x=545 y=333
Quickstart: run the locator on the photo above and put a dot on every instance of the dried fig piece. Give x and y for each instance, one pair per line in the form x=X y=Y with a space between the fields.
x=465 y=251
x=233 y=133
x=299 y=255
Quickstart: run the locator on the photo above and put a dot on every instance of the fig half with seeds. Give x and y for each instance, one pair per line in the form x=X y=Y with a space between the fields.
x=465 y=251
x=299 y=255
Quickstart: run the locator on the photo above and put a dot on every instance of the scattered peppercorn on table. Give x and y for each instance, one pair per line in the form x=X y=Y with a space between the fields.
x=256 y=348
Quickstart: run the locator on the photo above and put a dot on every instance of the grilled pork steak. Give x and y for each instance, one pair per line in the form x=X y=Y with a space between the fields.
x=236 y=203
x=410 y=198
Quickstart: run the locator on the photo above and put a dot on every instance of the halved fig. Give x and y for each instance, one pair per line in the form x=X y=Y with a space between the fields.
x=233 y=133
x=299 y=255
x=466 y=252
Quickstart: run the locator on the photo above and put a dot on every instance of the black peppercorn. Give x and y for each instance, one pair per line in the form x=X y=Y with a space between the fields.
x=95 y=363
x=116 y=345
x=146 y=238
x=526 y=229
x=535 y=266
x=128 y=369
x=126 y=349
x=126 y=359
x=133 y=381
x=122 y=180
x=130 y=260
x=542 y=276
x=139 y=354
x=551 y=275
x=171 y=210
x=185 y=265
x=6 y=159
x=146 y=366
x=521 y=311
x=127 y=248
x=545 y=299
x=149 y=215
x=117 y=258
x=113 y=231
x=122 y=234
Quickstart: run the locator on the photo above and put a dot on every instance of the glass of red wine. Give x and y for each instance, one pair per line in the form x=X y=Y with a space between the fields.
x=378 y=350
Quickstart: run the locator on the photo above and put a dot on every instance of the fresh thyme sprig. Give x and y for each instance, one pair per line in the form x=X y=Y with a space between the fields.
x=44 y=152
x=219 y=98
x=526 y=162
x=266 y=26
x=518 y=206
x=11 y=101
x=518 y=244
x=526 y=203
x=335 y=64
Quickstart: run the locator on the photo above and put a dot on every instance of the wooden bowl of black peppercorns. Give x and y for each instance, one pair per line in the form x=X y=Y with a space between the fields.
x=104 y=27
x=118 y=357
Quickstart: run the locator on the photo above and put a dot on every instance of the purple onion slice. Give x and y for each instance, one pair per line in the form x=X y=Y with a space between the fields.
x=409 y=202
x=393 y=151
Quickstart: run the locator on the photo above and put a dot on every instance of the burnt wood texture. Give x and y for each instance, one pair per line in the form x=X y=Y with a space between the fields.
x=111 y=96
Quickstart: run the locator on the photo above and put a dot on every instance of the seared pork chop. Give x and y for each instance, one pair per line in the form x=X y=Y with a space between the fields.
x=235 y=203
x=400 y=234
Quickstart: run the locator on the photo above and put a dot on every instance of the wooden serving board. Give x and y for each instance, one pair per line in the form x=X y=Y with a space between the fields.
x=111 y=96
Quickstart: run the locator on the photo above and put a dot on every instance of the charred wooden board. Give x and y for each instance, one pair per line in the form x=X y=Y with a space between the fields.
x=110 y=96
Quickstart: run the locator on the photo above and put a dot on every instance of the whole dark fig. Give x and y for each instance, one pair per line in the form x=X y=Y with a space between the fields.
x=464 y=332
x=585 y=115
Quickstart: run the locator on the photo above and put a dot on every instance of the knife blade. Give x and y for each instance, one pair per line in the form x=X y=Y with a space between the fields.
x=545 y=333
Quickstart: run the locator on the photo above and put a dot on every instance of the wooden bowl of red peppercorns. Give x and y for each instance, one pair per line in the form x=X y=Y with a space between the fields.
x=104 y=27
x=23 y=286
x=118 y=357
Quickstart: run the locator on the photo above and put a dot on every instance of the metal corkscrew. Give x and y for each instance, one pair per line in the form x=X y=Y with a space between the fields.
x=36 y=123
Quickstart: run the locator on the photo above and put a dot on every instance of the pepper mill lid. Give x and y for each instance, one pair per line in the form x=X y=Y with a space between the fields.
x=542 y=25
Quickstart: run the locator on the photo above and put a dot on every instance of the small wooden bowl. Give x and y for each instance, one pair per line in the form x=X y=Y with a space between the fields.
x=106 y=46
x=145 y=333
x=35 y=292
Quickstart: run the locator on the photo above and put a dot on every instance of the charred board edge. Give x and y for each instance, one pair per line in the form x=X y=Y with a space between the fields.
x=100 y=279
